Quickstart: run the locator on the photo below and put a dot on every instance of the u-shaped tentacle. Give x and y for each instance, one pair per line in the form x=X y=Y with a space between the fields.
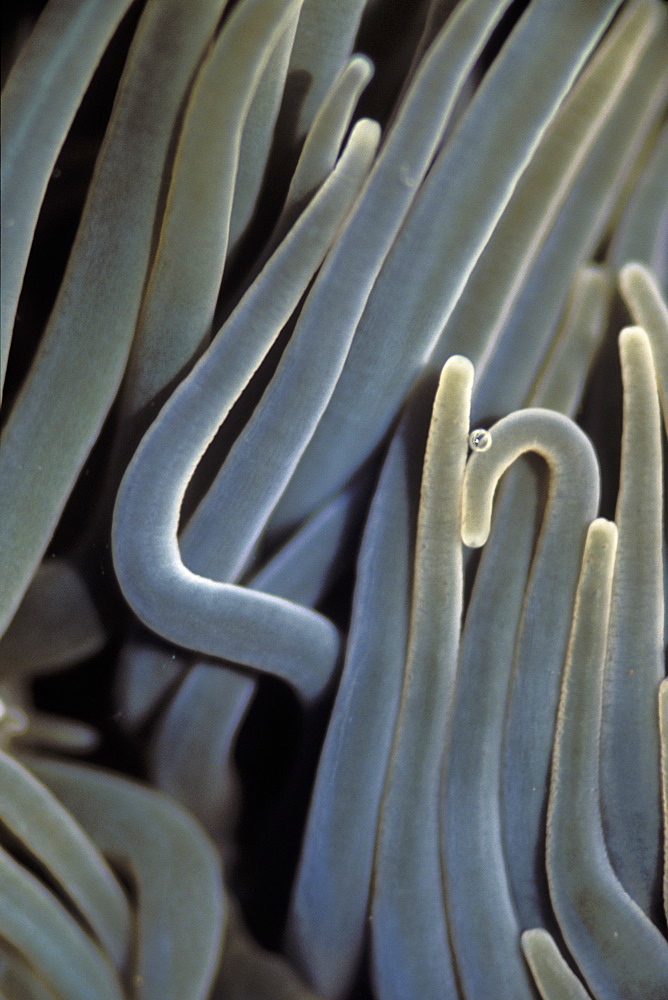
x=541 y=643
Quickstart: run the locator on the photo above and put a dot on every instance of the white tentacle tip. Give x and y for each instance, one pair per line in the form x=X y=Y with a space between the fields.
x=366 y=132
x=473 y=539
x=631 y=273
x=601 y=536
x=633 y=341
x=461 y=366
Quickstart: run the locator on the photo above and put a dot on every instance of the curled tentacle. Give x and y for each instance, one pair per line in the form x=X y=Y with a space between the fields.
x=480 y=907
x=541 y=642
x=410 y=947
x=330 y=898
x=220 y=619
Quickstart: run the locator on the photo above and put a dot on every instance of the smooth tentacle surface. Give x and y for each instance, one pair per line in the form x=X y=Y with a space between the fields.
x=179 y=301
x=467 y=189
x=170 y=862
x=580 y=224
x=479 y=901
x=58 y=61
x=37 y=926
x=48 y=832
x=543 y=634
x=483 y=315
x=620 y=952
x=663 y=730
x=331 y=895
x=473 y=181
x=635 y=664
x=650 y=311
x=641 y=233
x=553 y=976
x=255 y=629
x=91 y=327
x=410 y=948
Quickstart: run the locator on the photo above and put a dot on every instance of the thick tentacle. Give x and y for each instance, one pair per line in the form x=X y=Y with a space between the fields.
x=39 y=102
x=78 y=369
x=48 y=832
x=649 y=310
x=481 y=910
x=450 y=222
x=171 y=863
x=554 y=978
x=410 y=947
x=331 y=895
x=619 y=951
x=635 y=664
x=543 y=635
x=220 y=619
x=50 y=940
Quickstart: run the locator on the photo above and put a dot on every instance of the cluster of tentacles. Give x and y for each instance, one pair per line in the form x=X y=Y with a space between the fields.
x=295 y=368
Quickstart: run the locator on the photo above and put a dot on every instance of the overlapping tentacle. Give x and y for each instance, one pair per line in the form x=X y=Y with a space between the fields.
x=170 y=862
x=452 y=218
x=572 y=502
x=554 y=978
x=215 y=618
x=91 y=327
x=427 y=867
x=620 y=952
x=410 y=947
x=480 y=904
x=634 y=660
x=331 y=894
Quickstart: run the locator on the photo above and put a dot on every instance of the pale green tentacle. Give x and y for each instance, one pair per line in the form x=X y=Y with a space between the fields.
x=214 y=618
x=642 y=232
x=324 y=138
x=39 y=101
x=663 y=731
x=576 y=231
x=178 y=305
x=49 y=833
x=449 y=224
x=78 y=369
x=649 y=310
x=325 y=37
x=481 y=910
x=172 y=865
x=409 y=943
x=620 y=953
x=635 y=663
x=543 y=634
x=330 y=896
x=50 y=940
x=554 y=978
x=258 y=131
x=487 y=302
x=55 y=626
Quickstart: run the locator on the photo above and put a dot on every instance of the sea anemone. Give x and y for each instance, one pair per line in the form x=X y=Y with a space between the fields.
x=303 y=303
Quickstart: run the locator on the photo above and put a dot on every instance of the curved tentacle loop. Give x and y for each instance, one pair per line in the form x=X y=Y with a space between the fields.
x=620 y=952
x=540 y=647
x=220 y=619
